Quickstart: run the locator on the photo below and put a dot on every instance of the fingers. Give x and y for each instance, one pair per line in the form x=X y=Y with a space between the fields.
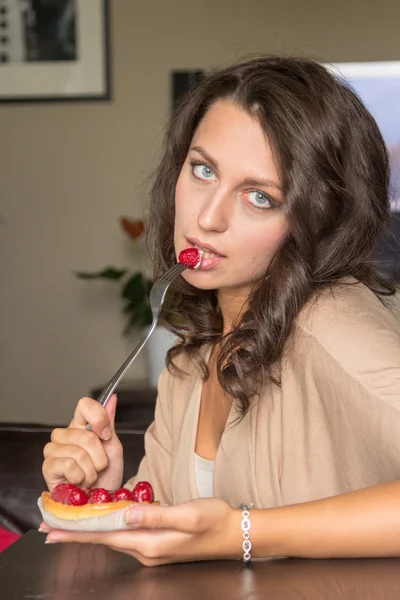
x=77 y=455
x=117 y=539
x=192 y=517
x=110 y=409
x=68 y=463
x=44 y=528
x=73 y=455
x=57 y=471
x=80 y=444
x=141 y=545
x=149 y=547
x=90 y=411
x=179 y=518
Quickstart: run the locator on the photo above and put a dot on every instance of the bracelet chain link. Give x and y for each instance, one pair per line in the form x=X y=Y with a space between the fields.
x=246 y=525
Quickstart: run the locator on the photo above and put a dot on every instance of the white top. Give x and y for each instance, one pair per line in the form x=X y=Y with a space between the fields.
x=204 y=471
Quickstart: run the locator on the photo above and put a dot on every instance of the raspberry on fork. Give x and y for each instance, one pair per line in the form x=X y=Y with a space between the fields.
x=191 y=257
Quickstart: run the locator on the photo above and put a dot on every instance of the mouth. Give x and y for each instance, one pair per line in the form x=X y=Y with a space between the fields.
x=207 y=250
x=210 y=257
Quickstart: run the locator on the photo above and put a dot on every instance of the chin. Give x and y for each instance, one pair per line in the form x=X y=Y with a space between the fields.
x=198 y=282
x=209 y=281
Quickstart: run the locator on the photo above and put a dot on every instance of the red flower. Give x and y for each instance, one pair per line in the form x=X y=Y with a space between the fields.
x=134 y=228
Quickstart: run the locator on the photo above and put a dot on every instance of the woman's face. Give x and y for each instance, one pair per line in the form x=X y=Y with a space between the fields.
x=228 y=201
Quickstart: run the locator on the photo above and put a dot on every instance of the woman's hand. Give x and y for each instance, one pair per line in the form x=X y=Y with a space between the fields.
x=204 y=529
x=86 y=458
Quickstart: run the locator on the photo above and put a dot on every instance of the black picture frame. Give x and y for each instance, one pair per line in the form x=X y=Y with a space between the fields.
x=181 y=83
x=86 y=76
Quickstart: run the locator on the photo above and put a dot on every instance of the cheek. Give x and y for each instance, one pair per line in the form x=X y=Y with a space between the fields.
x=262 y=245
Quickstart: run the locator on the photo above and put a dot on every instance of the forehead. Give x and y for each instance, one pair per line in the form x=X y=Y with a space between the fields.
x=231 y=134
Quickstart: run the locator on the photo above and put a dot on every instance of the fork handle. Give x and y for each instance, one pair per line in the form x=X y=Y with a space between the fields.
x=116 y=378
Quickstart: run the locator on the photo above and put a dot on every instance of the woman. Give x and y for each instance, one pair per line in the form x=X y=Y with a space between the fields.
x=284 y=392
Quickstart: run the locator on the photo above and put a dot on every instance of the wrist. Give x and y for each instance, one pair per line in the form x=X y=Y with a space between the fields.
x=233 y=536
x=242 y=534
x=263 y=533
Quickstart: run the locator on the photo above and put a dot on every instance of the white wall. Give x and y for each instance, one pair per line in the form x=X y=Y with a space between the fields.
x=68 y=171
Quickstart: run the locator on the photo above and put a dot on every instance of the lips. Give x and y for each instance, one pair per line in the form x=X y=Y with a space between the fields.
x=206 y=248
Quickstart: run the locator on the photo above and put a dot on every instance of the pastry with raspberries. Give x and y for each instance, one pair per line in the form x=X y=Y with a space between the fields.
x=96 y=509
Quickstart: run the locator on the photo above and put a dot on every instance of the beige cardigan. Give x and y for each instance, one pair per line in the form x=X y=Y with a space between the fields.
x=332 y=426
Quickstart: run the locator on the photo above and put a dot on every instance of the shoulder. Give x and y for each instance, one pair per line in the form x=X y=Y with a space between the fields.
x=349 y=309
x=181 y=377
x=346 y=336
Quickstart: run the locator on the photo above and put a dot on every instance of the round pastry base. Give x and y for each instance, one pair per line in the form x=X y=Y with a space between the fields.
x=108 y=520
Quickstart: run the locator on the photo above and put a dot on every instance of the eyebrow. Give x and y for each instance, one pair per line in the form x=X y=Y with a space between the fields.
x=247 y=180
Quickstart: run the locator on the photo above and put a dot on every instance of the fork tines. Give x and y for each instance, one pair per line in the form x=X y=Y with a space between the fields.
x=172 y=272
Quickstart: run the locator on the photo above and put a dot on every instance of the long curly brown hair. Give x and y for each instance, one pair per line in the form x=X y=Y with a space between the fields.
x=334 y=170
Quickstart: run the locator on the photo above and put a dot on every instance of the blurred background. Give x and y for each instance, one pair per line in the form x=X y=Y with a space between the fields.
x=70 y=170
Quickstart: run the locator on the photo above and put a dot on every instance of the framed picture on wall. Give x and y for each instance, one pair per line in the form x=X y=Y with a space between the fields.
x=54 y=50
x=378 y=85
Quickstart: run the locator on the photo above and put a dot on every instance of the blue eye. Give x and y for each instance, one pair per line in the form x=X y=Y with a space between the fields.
x=202 y=171
x=261 y=200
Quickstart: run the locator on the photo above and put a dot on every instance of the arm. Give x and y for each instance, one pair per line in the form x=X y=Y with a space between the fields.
x=363 y=523
x=346 y=373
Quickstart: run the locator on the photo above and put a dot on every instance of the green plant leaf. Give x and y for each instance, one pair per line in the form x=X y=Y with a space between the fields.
x=145 y=315
x=131 y=324
x=129 y=308
x=106 y=273
x=135 y=289
x=139 y=317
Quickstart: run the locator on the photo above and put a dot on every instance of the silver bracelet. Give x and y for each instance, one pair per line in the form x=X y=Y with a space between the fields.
x=246 y=524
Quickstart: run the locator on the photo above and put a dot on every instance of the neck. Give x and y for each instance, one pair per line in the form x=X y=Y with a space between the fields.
x=232 y=305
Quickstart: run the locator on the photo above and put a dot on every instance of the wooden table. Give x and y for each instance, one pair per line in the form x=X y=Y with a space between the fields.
x=31 y=569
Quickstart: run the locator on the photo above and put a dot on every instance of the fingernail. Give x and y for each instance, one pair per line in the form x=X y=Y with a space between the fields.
x=44 y=529
x=106 y=433
x=133 y=517
x=51 y=541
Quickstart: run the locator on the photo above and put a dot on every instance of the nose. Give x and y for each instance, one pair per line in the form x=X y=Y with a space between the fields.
x=215 y=212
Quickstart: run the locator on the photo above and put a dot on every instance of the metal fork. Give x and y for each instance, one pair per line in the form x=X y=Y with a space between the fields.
x=157 y=297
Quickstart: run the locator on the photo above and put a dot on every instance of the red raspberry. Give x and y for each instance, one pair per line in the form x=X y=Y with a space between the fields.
x=62 y=491
x=121 y=494
x=77 y=497
x=143 y=492
x=99 y=496
x=190 y=257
